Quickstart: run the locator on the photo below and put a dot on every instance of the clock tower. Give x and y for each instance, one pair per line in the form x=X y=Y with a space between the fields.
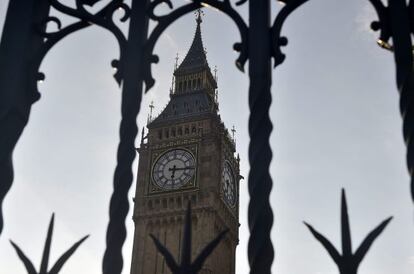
x=187 y=155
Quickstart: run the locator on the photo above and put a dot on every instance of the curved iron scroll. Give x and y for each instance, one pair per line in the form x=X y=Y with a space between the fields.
x=278 y=40
x=396 y=21
x=165 y=21
x=103 y=18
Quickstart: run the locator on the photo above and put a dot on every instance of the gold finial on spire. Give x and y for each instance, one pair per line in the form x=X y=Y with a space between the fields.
x=199 y=13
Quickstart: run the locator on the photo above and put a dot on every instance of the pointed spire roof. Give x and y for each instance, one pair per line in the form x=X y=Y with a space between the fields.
x=196 y=56
x=193 y=101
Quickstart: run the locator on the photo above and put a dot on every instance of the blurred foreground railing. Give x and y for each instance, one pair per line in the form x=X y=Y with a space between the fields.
x=25 y=42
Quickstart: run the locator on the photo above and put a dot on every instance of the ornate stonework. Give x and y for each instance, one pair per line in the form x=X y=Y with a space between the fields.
x=187 y=155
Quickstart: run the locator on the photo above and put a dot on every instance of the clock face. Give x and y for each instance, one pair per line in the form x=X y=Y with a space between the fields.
x=229 y=185
x=173 y=169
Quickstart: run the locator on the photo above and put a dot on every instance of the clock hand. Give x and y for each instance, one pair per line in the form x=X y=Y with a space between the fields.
x=173 y=169
x=180 y=168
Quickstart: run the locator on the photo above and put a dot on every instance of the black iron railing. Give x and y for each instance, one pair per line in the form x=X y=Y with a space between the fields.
x=25 y=42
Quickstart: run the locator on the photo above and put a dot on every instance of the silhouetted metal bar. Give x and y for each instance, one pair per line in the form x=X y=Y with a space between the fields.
x=396 y=21
x=401 y=29
x=260 y=249
x=18 y=43
x=131 y=64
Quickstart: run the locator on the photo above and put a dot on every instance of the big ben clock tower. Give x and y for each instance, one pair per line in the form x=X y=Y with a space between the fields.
x=187 y=155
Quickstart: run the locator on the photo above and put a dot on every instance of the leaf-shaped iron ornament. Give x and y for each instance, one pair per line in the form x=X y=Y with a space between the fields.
x=348 y=262
x=46 y=252
x=186 y=267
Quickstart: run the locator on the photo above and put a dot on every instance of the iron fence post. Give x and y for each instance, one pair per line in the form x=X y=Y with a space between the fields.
x=18 y=44
x=400 y=27
x=132 y=88
x=260 y=216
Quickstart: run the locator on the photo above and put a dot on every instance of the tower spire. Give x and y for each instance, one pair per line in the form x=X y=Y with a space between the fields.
x=199 y=13
x=196 y=57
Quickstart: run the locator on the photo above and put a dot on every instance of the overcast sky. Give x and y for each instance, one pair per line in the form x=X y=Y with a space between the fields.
x=336 y=124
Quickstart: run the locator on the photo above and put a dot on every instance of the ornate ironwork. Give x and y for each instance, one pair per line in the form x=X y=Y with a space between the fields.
x=132 y=90
x=186 y=266
x=278 y=40
x=103 y=18
x=348 y=262
x=127 y=72
x=135 y=61
x=396 y=21
x=18 y=44
x=46 y=252
x=134 y=66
